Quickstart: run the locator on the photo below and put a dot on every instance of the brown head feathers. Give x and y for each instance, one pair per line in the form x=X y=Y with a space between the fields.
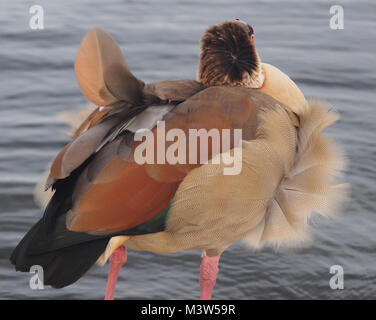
x=229 y=56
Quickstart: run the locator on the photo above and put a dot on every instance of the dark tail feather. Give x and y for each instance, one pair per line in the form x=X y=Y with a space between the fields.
x=64 y=258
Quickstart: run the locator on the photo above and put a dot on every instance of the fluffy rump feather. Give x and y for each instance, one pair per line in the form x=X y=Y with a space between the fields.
x=309 y=185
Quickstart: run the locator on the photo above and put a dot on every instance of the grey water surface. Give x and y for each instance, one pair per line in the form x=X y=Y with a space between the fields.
x=160 y=40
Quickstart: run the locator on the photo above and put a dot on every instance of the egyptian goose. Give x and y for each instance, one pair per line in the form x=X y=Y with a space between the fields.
x=105 y=201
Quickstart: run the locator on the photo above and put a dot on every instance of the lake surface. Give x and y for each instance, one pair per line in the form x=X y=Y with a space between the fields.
x=160 y=40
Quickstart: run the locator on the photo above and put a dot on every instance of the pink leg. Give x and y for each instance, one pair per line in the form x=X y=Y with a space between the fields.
x=117 y=260
x=208 y=276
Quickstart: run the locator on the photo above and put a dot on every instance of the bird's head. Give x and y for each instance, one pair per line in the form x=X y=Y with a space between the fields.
x=229 y=56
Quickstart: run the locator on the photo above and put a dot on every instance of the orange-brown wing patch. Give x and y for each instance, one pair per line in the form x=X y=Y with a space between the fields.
x=55 y=170
x=131 y=199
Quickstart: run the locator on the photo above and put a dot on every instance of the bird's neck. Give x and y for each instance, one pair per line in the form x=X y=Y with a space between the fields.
x=215 y=77
x=256 y=78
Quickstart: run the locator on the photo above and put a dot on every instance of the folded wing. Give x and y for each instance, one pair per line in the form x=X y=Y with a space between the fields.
x=114 y=193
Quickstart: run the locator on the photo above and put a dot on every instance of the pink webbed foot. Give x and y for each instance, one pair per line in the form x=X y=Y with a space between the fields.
x=208 y=276
x=117 y=260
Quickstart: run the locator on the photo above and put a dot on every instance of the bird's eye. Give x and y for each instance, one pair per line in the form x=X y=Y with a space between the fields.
x=251 y=33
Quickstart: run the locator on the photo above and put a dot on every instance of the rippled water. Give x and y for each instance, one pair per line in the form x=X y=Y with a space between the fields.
x=160 y=41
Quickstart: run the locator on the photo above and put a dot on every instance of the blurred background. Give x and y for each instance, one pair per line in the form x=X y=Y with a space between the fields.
x=160 y=40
